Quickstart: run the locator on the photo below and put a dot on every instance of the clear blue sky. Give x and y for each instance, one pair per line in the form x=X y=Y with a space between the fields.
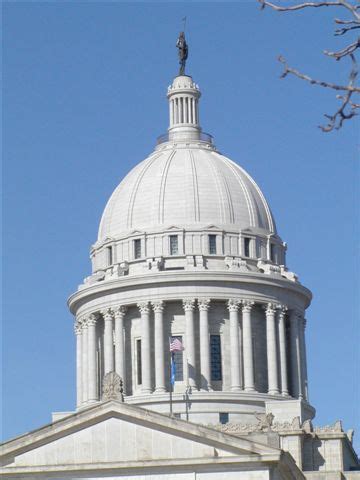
x=84 y=100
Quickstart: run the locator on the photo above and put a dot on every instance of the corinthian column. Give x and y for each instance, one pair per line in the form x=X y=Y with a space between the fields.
x=282 y=350
x=249 y=383
x=295 y=354
x=159 y=346
x=92 y=377
x=304 y=379
x=189 y=305
x=233 y=307
x=204 y=305
x=119 y=315
x=78 y=333
x=145 y=347
x=273 y=384
x=108 y=341
x=84 y=372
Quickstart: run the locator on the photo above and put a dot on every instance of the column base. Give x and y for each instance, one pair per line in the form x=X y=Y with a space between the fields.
x=249 y=389
x=146 y=390
x=273 y=392
x=160 y=390
x=236 y=388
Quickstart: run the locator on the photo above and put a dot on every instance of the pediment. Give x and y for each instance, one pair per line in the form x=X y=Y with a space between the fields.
x=212 y=227
x=116 y=432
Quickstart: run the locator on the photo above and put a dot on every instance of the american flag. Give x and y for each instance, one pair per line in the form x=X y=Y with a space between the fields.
x=176 y=345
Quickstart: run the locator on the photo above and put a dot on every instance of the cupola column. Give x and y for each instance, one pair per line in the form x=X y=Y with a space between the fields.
x=204 y=305
x=233 y=307
x=273 y=384
x=78 y=333
x=84 y=370
x=303 y=358
x=183 y=97
x=145 y=347
x=282 y=350
x=108 y=341
x=92 y=377
x=159 y=346
x=119 y=315
x=189 y=305
x=295 y=354
x=249 y=384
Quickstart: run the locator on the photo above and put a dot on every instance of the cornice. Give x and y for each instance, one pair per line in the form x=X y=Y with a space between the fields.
x=163 y=279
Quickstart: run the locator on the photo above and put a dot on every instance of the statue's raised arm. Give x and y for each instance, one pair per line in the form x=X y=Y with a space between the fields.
x=183 y=52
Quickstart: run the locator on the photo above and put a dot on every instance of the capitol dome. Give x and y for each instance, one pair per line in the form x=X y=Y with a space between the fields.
x=186 y=185
x=187 y=250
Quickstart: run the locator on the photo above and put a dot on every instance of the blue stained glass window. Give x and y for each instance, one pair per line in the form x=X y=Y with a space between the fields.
x=178 y=357
x=138 y=362
x=215 y=355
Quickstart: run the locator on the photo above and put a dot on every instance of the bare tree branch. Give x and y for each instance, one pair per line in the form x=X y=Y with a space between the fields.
x=345 y=51
x=348 y=108
x=334 y=86
x=292 y=8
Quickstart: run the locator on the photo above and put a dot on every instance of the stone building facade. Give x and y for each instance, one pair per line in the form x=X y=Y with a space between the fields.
x=188 y=249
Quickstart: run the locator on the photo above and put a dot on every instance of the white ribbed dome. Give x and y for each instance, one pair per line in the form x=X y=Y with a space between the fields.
x=185 y=186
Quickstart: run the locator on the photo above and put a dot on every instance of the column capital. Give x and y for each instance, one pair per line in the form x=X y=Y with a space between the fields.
x=204 y=303
x=78 y=327
x=233 y=304
x=107 y=314
x=282 y=309
x=270 y=308
x=84 y=323
x=91 y=320
x=158 y=306
x=247 y=305
x=120 y=311
x=143 y=307
x=189 y=304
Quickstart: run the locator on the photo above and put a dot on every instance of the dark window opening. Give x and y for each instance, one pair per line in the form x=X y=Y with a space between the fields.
x=212 y=244
x=137 y=248
x=272 y=252
x=138 y=362
x=223 y=418
x=174 y=248
x=247 y=246
x=178 y=359
x=215 y=356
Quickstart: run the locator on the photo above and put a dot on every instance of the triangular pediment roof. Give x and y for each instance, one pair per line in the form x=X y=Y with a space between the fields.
x=116 y=435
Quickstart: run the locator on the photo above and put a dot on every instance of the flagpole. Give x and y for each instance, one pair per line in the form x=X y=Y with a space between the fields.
x=171 y=383
x=171 y=387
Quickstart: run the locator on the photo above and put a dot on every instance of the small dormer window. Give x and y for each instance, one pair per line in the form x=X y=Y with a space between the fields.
x=109 y=256
x=174 y=246
x=212 y=244
x=137 y=248
x=247 y=241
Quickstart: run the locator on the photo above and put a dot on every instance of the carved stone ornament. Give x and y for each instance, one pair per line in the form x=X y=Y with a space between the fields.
x=268 y=268
x=112 y=388
x=265 y=421
x=143 y=307
x=288 y=275
x=204 y=303
x=189 y=304
x=236 y=264
x=233 y=304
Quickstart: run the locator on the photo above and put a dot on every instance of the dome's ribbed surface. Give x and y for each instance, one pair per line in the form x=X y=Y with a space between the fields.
x=185 y=187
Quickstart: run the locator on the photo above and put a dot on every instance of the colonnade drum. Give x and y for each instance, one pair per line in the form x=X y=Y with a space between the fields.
x=234 y=345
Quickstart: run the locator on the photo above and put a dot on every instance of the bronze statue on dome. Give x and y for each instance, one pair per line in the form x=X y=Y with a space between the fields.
x=183 y=52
